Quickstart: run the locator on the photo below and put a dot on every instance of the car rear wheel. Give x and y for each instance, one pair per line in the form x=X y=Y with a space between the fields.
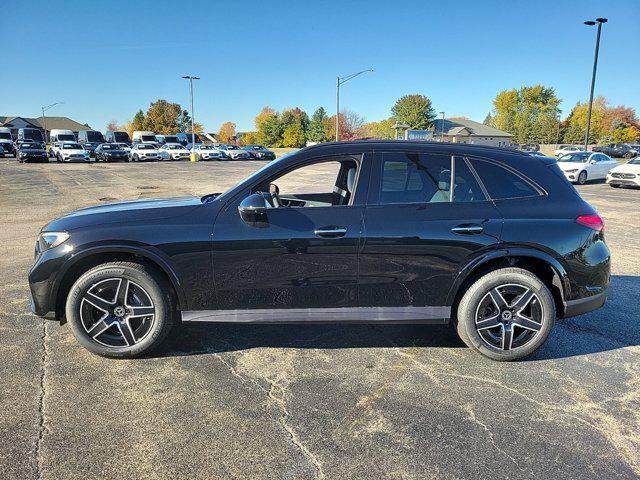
x=120 y=310
x=582 y=178
x=507 y=314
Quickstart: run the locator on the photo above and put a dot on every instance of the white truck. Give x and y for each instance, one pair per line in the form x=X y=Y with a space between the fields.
x=140 y=136
x=6 y=141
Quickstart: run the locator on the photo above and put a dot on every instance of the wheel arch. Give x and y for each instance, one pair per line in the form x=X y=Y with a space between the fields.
x=544 y=266
x=93 y=257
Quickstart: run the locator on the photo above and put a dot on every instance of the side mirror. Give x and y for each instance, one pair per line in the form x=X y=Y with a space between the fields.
x=592 y=162
x=253 y=210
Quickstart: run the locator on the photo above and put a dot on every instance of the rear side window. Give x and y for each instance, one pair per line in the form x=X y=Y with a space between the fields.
x=426 y=178
x=502 y=183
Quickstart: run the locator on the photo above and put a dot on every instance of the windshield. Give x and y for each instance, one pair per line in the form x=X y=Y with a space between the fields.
x=190 y=138
x=31 y=145
x=174 y=147
x=275 y=165
x=206 y=147
x=120 y=136
x=579 y=157
x=148 y=138
x=66 y=137
x=5 y=136
x=146 y=147
x=232 y=147
x=71 y=146
x=110 y=146
x=31 y=134
x=121 y=145
x=634 y=161
x=95 y=137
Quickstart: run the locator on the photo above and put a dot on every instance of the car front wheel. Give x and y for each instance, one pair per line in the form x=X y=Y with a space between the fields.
x=582 y=178
x=120 y=310
x=506 y=314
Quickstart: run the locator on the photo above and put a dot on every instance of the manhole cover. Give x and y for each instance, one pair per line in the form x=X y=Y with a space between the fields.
x=147 y=187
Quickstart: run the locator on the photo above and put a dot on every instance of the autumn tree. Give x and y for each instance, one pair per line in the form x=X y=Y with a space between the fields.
x=227 y=132
x=113 y=126
x=268 y=127
x=162 y=117
x=414 y=110
x=294 y=124
x=248 y=138
x=382 y=129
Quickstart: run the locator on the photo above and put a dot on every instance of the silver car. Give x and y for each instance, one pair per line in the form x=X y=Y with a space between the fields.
x=234 y=152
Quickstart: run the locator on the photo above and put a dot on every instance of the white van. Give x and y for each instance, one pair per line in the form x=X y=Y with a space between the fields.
x=6 y=141
x=61 y=135
x=140 y=136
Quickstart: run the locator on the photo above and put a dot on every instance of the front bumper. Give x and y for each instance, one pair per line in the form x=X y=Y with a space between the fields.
x=629 y=181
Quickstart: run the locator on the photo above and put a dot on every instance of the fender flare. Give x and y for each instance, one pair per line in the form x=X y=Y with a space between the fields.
x=521 y=252
x=155 y=257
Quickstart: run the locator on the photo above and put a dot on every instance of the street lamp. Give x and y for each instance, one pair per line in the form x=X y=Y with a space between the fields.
x=591 y=23
x=340 y=81
x=44 y=120
x=442 y=128
x=192 y=156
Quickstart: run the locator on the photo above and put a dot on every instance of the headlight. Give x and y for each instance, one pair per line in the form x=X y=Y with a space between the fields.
x=50 y=240
x=574 y=170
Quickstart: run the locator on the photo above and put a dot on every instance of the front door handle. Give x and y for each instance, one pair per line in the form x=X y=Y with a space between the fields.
x=468 y=229
x=330 y=232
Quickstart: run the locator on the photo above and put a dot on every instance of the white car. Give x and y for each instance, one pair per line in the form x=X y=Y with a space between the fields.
x=208 y=152
x=123 y=146
x=71 y=152
x=627 y=174
x=145 y=152
x=173 y=151
x=579 y=167
x=563 y=149
x=233 y=151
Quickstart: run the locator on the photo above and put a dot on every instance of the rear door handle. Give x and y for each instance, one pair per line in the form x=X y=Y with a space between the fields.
x=468 y=229
x=330 y=232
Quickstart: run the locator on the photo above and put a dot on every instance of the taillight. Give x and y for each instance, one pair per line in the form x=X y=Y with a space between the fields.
x=591 y=221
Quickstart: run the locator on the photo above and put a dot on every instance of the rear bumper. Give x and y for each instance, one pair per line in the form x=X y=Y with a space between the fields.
x=573 y=308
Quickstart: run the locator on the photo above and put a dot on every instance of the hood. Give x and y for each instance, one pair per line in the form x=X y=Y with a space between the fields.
x=627 y=168
x=143 y=211
x=572 y=165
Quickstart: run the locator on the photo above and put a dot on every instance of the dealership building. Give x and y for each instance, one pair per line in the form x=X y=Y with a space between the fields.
x=45 y=124
x=468 y=131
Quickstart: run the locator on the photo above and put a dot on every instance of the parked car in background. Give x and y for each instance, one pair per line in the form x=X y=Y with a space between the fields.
x=2 y=152
x=259 y=152
x=124 y=146
x=30 y=135
x=117 y=137
x=140 y=136
x=185 y=138
x=563 y=149
x=233 y=151
x=384 y=235
x=53 y=149
x=90 y=136
x=617 y=150
x=62 y=135
x=206 y=152
x=540 y=155
x=625 y=175
x=173 y=151
x=72 y=152
x=579 y=167
x=6 y=140
x=145 y=152
x=29 y=152
x=530 y=147
x=111 y=152
x=162 y=139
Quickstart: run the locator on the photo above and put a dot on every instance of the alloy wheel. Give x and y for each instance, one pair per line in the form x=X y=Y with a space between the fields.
x=509 y=316
x=117 y=312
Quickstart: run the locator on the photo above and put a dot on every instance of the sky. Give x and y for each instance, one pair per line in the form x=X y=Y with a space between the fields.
x=107 y=59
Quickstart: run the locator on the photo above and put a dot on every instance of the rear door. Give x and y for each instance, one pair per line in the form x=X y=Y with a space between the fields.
x=419 y=231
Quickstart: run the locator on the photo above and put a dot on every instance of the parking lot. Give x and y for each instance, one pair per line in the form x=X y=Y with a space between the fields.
x=315 y=401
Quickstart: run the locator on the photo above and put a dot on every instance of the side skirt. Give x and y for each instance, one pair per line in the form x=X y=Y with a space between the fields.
x=428 y=315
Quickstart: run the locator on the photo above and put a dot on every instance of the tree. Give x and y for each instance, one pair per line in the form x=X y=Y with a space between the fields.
x=293 y=135
x=294 y=124
x=113 y=126
x=248 y=138
x=316 y=130
x=162 y=117
x=269 y=128
x=381 y=130
x=414 y=110
x=227 y=132
x=530 y=114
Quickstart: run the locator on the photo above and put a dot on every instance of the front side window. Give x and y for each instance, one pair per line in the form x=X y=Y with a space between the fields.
x=501 y=183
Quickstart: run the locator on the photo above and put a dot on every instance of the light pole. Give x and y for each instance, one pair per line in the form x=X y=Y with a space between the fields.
x=558 y=135
x=591 y=23
x=340 y=81
x=44 y=119
x=193 y=157
x=442 y=128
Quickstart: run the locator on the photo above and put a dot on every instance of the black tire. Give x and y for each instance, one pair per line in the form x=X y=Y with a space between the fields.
x=614 y=185
x=476 y=295
x=141 y=281
x=582 y=178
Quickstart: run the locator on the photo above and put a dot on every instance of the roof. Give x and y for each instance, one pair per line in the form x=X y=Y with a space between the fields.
x=473 y=129
x=62 y=123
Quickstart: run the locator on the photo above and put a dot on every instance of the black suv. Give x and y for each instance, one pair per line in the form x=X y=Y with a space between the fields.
x=495 y=241
x=618 y=150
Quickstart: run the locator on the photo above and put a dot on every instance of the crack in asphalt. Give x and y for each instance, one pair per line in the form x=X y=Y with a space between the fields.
x=36 y=452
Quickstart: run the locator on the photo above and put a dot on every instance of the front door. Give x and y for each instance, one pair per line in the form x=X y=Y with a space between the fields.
x=306 y=256
x=419 y=232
